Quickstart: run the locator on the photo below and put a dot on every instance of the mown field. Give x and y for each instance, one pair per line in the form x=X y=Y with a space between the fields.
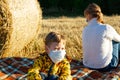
x=71 y=28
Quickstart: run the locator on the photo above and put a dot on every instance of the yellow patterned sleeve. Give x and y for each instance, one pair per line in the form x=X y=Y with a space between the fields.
x=33 y=73
x=65 y=71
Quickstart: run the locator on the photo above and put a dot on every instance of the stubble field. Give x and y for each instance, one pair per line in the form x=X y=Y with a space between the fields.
x=71 y=28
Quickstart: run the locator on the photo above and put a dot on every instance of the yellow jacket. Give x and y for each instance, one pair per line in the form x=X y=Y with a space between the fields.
x=43 y=63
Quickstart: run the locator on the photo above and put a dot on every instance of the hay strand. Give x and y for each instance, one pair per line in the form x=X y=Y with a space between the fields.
x=20 y=22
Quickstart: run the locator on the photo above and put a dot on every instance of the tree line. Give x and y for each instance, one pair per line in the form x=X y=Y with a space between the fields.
x=108 y=6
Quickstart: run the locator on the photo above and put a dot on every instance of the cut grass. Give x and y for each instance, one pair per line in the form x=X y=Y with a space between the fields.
x=71 y=28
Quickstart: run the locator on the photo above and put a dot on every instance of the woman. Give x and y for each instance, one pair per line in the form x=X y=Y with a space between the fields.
x=100 y=41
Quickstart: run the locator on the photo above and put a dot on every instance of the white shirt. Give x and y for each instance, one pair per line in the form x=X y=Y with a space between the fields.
x=97 y=44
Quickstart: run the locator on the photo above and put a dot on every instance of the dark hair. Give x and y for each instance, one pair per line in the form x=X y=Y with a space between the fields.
x=53 y=37
x=95 y=11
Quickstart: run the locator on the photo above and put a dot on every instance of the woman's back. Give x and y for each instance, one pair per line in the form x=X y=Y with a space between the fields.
x=96 y=46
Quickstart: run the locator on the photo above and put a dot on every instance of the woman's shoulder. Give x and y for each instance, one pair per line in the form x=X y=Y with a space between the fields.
x=109 y=27
x=106 y=26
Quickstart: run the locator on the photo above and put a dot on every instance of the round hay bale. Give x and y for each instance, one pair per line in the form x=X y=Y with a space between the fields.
x=20 y=22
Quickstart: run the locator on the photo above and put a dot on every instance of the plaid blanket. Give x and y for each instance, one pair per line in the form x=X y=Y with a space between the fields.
x=15 y=68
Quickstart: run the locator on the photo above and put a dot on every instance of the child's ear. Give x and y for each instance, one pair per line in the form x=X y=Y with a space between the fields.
x=46 y=49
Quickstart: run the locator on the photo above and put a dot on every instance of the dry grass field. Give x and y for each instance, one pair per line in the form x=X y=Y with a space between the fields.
x=71 y=28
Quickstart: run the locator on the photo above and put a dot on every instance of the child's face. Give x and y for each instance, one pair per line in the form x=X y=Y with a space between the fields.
x=56 y=46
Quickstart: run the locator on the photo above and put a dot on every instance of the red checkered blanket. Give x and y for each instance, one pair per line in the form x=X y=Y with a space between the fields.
x=15 y=68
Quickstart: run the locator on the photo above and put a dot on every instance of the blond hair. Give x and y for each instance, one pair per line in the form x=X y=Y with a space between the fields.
x=95 y=11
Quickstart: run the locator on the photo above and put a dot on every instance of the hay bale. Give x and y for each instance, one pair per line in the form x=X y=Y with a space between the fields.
x=20 y=22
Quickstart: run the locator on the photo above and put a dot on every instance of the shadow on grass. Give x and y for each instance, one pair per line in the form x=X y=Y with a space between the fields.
x=56 y=12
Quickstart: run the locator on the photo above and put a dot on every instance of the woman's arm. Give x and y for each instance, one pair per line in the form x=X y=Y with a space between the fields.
x=112 y=34
x=116 y=37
